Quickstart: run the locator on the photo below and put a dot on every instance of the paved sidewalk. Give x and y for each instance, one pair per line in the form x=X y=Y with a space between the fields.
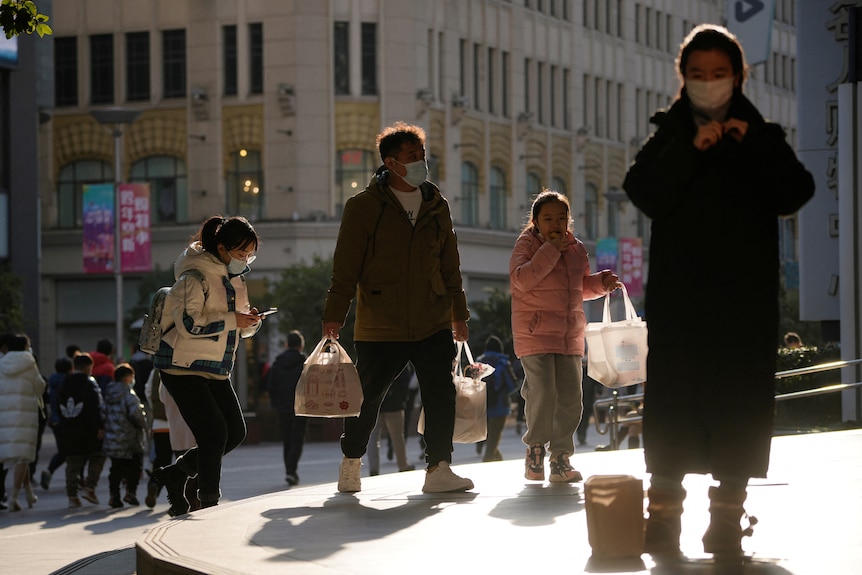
x=809 y=511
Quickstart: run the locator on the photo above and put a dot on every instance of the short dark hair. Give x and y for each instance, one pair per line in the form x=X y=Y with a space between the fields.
x=82 y=361
x=63 y=365
x=72 y=350
x=390 y=140
x=295 y=339
x=122 y=371
x=105 y=346
x=18 y=342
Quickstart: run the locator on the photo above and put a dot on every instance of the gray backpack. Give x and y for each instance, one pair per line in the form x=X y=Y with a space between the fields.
x=151 y=330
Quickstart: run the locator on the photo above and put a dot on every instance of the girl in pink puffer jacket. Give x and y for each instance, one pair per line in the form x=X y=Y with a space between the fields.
x=550 y=278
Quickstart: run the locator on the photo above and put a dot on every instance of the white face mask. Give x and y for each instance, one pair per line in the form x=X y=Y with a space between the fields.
x=236 y=266
x=417 y=172
x=710 y=95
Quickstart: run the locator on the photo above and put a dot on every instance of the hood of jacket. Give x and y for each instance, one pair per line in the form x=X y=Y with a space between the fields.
x=195 y=257
x=16 y=363
x=115 y=392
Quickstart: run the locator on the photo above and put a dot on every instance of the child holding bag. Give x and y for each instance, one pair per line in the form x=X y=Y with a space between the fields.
x=550 y=278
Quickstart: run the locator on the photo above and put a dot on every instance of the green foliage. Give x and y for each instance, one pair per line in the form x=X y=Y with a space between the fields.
x=22 y=17
x=11 y=301
x=492 y=316
x=819 y=411
x=300 y=295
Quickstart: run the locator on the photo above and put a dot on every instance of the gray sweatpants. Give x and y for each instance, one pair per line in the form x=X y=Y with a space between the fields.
x=552 y=400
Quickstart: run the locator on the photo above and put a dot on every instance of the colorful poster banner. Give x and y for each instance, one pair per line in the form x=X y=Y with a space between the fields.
x=135 y=252
x=606 y=254
x=98 y=214
x=632 y=265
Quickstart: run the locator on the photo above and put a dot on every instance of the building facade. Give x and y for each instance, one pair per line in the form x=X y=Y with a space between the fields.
x=270 y=110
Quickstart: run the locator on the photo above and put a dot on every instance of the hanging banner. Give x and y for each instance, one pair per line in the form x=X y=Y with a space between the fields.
x=606 y=254
x=98 y=233
x=751 y=22
x=135 y=253
x=632 y=265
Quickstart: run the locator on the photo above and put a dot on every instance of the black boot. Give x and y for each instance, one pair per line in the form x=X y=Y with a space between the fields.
x=173 y=479
x=723 y=537
x=664 y=524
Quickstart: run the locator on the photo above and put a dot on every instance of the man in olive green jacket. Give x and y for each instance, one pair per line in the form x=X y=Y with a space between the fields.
x=398 y=255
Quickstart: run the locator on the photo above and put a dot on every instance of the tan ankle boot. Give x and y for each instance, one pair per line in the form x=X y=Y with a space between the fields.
x=664 y=523
x=724 y=534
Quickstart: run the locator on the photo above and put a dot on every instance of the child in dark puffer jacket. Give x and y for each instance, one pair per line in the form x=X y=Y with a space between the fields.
x=125 y=421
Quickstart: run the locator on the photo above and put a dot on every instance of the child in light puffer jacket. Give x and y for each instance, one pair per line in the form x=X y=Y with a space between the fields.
x=125 y=421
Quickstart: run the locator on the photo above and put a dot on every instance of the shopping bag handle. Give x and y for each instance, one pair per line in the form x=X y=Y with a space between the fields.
x=459 y=346
x=630 y=308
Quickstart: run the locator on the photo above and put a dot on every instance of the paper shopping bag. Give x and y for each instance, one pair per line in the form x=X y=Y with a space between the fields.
x=617 y=350
x=471 y=422
x=329 y=385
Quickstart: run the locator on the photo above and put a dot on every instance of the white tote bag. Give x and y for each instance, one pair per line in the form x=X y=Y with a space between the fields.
x=617 y=350
x=329 y=385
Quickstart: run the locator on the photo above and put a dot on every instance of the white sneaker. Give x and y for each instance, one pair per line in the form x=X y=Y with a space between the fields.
x=348 y=475
x=443 y=480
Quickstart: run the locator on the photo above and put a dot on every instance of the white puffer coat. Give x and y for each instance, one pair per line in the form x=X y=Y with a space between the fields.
x=21 y=389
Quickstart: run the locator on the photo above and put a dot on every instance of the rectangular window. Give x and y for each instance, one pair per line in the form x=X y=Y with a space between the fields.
x=553 y=93
x=492 y=89
x=441 y=67
x=637 y=23
x=504 y=80
x=589 y=101
x=540 y=91
x=567 y=121
x=477 y=58
x=647 y=24
x=341 y=66
x=137 y=66
x=255 y=58
x=528 y=87
x=369 y=58
x=66 y=71
x=432 y=85
x=174 y=63
x=102 y=69
x=230 y=59
x=462 y=67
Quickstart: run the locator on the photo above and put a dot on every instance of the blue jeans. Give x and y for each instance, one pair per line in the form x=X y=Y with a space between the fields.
x=212 y=411
x=378 y=363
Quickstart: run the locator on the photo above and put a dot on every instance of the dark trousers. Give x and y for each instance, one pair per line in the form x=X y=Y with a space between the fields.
x=94 y=462
x=378 y=363
x=293 y=437
x=212 y=412
x=58 y=458
x=125 y=469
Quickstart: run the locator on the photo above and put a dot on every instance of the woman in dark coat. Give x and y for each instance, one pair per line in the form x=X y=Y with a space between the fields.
x=713 y=179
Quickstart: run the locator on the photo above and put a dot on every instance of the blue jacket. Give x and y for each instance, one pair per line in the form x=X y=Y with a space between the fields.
x=499 y=384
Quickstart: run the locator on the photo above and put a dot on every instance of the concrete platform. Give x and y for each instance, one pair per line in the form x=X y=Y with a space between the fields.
x=809 y=512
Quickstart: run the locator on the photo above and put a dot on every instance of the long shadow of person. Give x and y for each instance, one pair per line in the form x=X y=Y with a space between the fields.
x=311 y=533
x=539 y=504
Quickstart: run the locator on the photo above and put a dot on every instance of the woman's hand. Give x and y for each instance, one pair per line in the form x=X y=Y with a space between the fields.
x=708 y=135
x=736 y=128
x=244 y=320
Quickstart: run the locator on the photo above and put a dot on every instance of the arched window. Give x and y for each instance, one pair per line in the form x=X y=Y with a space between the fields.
x=534 y=187
x=168 y=187
x=353 y=171
x=498 y=199
x=469 y=194
x=558 y=184
x=245 y=184
x=591 y=211
x=70 y=189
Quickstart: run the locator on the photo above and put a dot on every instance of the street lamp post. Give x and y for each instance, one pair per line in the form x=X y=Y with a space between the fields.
x=116 y=118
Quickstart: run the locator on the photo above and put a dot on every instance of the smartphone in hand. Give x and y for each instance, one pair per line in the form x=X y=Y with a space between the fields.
x=267 y=312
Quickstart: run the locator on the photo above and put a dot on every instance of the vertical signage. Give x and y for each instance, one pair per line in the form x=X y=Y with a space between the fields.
x=631 y=265
x=98 y=233
x=135 y=253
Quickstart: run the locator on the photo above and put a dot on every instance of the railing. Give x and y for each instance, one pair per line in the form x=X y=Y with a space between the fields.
x=615 y=419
